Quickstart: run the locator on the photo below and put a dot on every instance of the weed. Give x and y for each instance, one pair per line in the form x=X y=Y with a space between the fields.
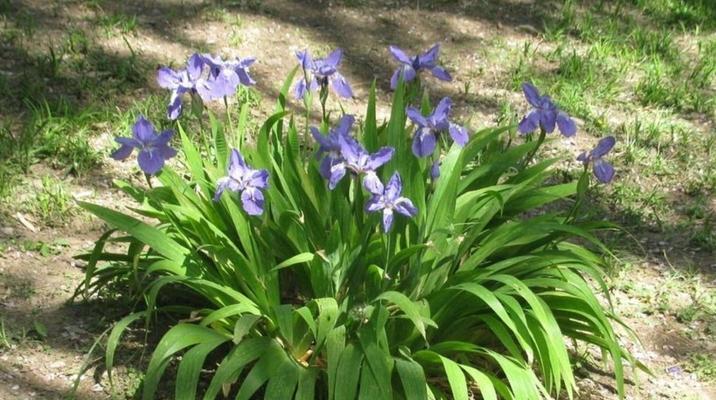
x=4 y=338
x=703 y=365
x=118 y=23
x=51 y=204
x=45 y=249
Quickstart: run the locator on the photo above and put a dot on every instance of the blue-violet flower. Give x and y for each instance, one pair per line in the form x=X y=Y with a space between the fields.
x=355 y=158
x=246 y=180
x=603 y=171
x=425 y=138
x=153 y=148
x=544 y=114
x=412 y=66
x=321 y=72
x=389 y=200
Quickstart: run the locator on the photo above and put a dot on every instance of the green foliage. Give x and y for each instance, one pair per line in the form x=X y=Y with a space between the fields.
x=479 y=293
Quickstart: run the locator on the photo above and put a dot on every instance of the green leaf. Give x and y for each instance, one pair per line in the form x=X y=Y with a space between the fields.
x=483 y=382
x=113 y=340
x=348 y=373
x=297 y=259
x=456 y=379
x=413 y=378
x=220 y=144
x=335 y=343
x=410 y=309
x=176 y=339
x=156 y=239
x=230 y=368
x=267 y=366
x=327 y=318
x=190 y=368
x=282 y=385
x=379 y=362
x=40 y=328
x=306 y=384
x=243 y=325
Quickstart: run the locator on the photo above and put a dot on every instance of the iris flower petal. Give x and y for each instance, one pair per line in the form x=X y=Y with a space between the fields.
x=548 y=119
x=603 y=147
x=252 y=201
x=529 y=123
x=458 y=134
x=150 y=161
x=441 y=73
x=379 y=158
x=341 y=86
x=167 y=78
x=404 y=206
x=430 y=57
x=531 y=94
x=423 y=143
x=416 y=117
x=123 y=152
x=566 y=124
x=603 y=170
x=399 y=54
x=387 y=219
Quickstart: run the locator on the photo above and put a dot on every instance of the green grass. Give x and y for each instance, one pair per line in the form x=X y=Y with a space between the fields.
x=644 y=71
x=51 y=203
x=703 y=365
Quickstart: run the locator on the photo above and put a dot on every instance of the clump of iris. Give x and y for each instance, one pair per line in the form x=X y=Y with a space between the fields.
x=205 y=78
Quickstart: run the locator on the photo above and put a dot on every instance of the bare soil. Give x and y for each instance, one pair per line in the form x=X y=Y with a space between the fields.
x=49 y=337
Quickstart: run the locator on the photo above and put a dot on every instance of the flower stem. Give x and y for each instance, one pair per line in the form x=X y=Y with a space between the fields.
x=530 y=156
x=323 y=96
x=582 y=189
x=149 y=180
x=230 y=122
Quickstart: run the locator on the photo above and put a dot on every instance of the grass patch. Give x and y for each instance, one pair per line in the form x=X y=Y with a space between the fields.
x=644 y=71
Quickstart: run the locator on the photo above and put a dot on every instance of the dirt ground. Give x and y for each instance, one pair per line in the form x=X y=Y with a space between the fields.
x=47 y=338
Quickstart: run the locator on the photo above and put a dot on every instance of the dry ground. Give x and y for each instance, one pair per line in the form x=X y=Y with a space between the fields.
x=44 y=339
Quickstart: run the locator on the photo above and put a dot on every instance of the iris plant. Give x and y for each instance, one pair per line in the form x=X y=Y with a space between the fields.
x=246 y=180
x=389 y=200
x=428 y=128
x=320 y=74
x=411 y=66
x=225 y=76
x=181 y=81
x=221 y=80
x=603 y=171
x=153 y=148
x=544 y=115
x=329 y=145
x=343 y=153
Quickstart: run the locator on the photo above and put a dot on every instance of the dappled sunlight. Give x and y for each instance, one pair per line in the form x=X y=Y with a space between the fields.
x=81 y=72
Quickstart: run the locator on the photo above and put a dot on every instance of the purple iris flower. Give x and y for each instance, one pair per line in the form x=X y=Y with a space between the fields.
x=321 y=72
x=545 y=114
x=356 y=159
x=242 y=178
x=153 y=148
x=412 y=66
x=602 y=169
x=180 y=82
x=435 y=170
x=329 y=145
x=225 y=76
x=425 y=138
x=389 y=200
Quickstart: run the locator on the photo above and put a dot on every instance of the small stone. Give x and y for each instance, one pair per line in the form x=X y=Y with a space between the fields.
x=674 y=370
